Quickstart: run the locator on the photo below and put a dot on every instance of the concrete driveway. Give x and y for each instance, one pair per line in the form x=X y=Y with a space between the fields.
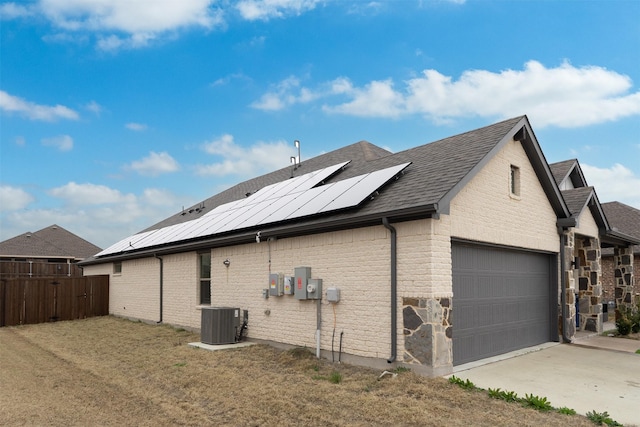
x=584 y=376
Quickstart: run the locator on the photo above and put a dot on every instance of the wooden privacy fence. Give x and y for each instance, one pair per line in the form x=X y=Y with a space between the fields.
x=40 y=300
x=14 y=269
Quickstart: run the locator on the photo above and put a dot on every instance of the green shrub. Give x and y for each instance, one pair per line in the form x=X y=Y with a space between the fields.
x=635 y=319
x=624 y=322
x=536 y=402
x=566 y=411
x=602 y=418
x=466 y=384
x=507 y=396
x=335 y=377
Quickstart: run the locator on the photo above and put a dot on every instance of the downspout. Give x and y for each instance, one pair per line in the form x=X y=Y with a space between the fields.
x=563 y=285
x=394 y=290
x=161 y=283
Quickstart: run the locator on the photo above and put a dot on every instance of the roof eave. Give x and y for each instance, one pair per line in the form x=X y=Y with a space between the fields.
x=284 y=231
x=617 y=238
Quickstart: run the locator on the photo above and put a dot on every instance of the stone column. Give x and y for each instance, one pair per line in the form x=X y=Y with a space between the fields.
x=427 y=331
x=570 y=287
x=623 y=277
x=589 y=285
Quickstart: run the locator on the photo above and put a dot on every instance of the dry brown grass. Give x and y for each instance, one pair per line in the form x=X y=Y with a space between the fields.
x=110 y=371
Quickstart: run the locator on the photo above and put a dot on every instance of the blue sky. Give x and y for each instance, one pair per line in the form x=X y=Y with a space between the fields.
x=117 y=113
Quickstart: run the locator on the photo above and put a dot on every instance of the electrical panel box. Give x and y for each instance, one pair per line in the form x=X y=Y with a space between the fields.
x=288 y=284
x=333 y=294
x=276 y=282
x=301 y=277
x=314 y=289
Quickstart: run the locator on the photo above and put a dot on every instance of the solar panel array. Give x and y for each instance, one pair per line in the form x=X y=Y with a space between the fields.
x=295 y=198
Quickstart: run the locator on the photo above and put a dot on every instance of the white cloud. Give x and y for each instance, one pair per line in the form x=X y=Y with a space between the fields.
x=62 y=142
x=14 y=104
x=565 y=96
x=97 y=213
x=290 y=92
x=370 y=8
x=20 y=141
x=617 y=183
x=123 y=23
x=13 y=198
x=245 y=161
x=138 y=127
x=12 y=10
x=94 y=107
x=266 y=9
x=155 y=164
x=89 y=194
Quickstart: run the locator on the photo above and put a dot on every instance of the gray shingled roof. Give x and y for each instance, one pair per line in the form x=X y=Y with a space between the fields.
x=359 y=153
x=437 y=171
x=577 y=199
x=436 y=168
x=625 y=219
x=50 y=242
x=560 y=170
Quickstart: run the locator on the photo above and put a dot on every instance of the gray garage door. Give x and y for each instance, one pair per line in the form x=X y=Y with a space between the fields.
x=501 y=301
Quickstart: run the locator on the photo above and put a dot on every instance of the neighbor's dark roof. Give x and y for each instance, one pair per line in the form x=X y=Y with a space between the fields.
x=50 y=242
x=623 y=218
x=437 y=171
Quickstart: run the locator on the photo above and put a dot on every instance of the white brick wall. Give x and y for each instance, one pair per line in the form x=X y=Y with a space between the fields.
x=356 y=261
x=135 y=292
x=485 y=211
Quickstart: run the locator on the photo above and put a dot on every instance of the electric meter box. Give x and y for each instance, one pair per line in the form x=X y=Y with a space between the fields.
x=314 y=289
x=276 y=282
x=301 y=277
x=288 y=285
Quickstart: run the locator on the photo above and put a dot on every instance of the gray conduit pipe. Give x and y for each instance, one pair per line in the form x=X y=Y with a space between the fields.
x=161 y=283
x=394 y=291
x=563 y=285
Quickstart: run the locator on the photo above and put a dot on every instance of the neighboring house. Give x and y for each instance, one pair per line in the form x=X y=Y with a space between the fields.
x=443 y=254
x=50 y=251
x=594 y=239
x=625 y=219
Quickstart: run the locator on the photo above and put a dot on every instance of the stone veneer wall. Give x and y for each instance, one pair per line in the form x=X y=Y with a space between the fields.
x=623 y=260
x=589 y=285
x=427 y=331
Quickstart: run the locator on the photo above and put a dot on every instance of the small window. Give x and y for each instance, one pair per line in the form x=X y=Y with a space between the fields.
x=117 y=268
x=204 y=273
x=514 y=181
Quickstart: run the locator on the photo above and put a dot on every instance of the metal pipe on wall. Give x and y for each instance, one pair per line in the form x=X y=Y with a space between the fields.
x=394 y=290
x=161 y=283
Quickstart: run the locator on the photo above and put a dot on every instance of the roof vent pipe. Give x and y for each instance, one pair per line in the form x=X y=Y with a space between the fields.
x=297 y=144
x=394 y=291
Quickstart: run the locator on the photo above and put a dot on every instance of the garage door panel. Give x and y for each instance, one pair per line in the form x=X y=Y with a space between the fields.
x=501 y=301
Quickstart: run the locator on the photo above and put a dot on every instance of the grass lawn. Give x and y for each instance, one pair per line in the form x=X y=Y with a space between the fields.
x=111 y=371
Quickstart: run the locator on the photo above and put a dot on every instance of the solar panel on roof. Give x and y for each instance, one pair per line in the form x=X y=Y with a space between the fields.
x=363 y=188
x=295 y=198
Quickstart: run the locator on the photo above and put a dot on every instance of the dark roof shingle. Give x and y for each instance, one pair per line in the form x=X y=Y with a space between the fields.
x=53 y=241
